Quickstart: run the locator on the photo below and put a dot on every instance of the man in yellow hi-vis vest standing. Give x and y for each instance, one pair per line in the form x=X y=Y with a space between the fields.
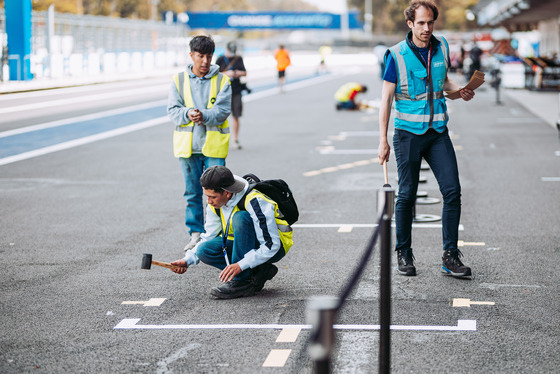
x=199 y=104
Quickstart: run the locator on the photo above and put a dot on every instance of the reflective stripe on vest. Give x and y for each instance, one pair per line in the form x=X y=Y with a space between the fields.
x=412 y=109
x=217 y=137
x=284 y=230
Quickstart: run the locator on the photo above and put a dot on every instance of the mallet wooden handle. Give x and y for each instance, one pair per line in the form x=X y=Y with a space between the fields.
x=163 y=264
x=385 y=172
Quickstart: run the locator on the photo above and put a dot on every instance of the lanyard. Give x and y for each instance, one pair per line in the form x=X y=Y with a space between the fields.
x=224 y=238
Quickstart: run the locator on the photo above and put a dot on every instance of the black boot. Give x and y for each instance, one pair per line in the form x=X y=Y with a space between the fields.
x=234 y=289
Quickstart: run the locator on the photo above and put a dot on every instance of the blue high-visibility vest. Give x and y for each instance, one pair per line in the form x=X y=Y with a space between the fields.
x=416 y=111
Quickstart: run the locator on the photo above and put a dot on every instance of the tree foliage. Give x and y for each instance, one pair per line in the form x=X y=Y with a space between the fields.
x=388 y=15
x=142 y=9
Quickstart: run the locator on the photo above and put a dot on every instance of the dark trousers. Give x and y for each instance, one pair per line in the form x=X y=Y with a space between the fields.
x=439 y=153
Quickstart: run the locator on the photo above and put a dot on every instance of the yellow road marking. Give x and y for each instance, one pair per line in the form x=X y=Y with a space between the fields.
x=332 y=169
x=288 y=335
x=458 y=303
x=277 y=358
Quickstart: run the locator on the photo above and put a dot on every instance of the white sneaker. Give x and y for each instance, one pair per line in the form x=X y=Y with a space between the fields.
x=195 y=238
x=237 y=145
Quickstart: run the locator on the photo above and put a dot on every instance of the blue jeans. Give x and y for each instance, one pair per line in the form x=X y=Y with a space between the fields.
x=192 y=169
x=245 y=239
x=438 y=152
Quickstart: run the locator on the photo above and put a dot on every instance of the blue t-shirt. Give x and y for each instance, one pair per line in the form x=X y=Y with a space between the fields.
x=390 y=74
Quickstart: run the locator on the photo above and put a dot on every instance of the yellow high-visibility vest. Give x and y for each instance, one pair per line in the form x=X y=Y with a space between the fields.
x=286 y=232
x=217 y=137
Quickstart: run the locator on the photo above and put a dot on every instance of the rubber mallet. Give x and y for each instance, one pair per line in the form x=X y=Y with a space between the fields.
x=147 y=262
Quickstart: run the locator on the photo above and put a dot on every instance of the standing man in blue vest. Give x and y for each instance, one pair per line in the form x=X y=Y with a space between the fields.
x=416 y=76
x=199 y=104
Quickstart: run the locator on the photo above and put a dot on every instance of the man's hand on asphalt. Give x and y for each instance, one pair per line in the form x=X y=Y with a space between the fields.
x=229 y=272
x=181 y=266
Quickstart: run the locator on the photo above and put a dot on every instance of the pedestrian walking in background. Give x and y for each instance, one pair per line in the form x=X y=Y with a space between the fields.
x=245 y=235
x=282 y=56
x=416 y=76
x=231 y=64
x=199 y=104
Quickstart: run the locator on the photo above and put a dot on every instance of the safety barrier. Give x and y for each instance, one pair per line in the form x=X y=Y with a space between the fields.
x=322 y=310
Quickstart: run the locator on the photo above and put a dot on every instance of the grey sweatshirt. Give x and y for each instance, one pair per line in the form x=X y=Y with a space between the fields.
x=200 y=89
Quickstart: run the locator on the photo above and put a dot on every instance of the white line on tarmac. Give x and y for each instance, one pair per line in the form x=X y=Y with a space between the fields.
x=288 y=87
x=151 y=302
x=550 y=179
x=132 y=324
x=82 y=141
x=87 y=117
x=365 y=225
x=74 y=100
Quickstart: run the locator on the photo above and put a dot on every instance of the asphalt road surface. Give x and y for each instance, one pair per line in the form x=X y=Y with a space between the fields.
x=88 y=183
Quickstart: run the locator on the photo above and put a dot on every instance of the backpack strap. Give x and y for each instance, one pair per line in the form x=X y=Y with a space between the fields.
x=241 y=203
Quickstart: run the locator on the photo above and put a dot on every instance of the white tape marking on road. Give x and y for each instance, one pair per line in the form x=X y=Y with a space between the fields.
x=348 y=151
x=87 y=117
x=461 y=243
x=550 y=179
x=459 y=303
x=365 y=225
x=151 y=302
x=495 y=286
x=288 y=335
x=346 y=228
x=277 y=358
x=132 y=324
x=85 y=140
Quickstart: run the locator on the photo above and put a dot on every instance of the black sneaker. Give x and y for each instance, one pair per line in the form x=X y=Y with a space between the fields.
x=263 y=273
x=452 y=264
x=405 y=262
x=234 y=289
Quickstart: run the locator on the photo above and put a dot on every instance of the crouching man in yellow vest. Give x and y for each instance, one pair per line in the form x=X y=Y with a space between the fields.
x=199 y=104
x=244 y=236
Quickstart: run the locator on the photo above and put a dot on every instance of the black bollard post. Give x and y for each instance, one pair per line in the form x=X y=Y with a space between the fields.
x=385 y=199
x=321 y=313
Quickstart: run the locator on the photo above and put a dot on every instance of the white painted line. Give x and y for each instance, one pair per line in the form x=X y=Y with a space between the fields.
x=132 y=324
x=288 y=335
x=550 y=179
x=365 y=225
x=461 y=243
x=459 y=302
x=87 y=117
x=82 y=141
x=151 y=302
x=68 y=101
x=348 y=151
x=346 y=228
x=277 y=358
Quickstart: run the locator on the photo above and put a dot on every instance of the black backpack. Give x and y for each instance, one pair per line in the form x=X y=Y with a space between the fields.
x=277 y=190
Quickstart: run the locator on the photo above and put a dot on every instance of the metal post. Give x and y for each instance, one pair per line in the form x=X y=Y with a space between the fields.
x=321 y=311
x=386 y=198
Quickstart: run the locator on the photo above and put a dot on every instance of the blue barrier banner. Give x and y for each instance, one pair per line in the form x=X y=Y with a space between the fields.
x=270 y=20
x=18 y=28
